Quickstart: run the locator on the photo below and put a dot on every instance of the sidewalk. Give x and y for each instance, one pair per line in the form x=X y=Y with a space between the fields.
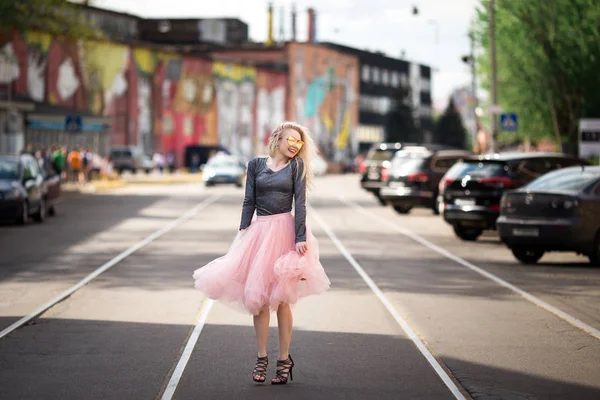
x=154 y=178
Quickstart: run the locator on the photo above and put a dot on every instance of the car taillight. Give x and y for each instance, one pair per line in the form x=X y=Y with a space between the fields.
x=362 y=167
x=500 y=182
x=444 y=183
x=417 y=177
x=385 y=174
x=494 y=207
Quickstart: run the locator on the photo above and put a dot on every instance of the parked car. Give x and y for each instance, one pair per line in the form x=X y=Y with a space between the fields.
x=414 y=177
x=129 y=158
x=196 y=156
x=21 y=189
x=224 y=169
x=52 y=187
x=374 y=168
x=558 y=212
x=471 y=190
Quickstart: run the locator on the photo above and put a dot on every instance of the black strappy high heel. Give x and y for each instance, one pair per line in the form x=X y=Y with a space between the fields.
x=284 y=369
x=260 y=369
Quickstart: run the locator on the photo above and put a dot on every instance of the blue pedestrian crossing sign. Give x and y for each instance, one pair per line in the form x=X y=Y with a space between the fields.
x=509 y=122
x=73 y=124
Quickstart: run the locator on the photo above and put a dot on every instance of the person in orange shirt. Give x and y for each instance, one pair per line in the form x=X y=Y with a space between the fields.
x=74 y=160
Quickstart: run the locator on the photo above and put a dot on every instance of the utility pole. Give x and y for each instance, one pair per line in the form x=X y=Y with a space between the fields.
x=494 y=82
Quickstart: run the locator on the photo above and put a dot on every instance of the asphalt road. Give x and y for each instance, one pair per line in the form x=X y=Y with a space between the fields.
x=413 y=313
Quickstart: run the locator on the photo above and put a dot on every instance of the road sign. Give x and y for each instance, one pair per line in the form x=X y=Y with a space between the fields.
x=589 y=138
x=509 y=122
x=73 y=124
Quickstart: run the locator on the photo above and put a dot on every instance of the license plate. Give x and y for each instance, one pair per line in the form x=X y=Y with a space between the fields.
x=464 y=202
x=374 y=176
x=395 y=184
x=528 y=232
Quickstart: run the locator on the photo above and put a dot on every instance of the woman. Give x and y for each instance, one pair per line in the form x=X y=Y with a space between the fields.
x=274 y=260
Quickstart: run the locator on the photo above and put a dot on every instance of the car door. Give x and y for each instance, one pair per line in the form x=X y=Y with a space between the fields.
x=34 y=183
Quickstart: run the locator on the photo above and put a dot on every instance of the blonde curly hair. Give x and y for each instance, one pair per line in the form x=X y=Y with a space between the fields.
x=307 y=153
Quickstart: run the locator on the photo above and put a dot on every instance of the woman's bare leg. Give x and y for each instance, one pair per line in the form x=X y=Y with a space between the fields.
x=261 y=327
x=285 y=323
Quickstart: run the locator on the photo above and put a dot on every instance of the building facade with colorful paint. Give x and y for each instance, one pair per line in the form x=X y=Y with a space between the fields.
x=322 y=90
x=124 y=91
x=139 y=95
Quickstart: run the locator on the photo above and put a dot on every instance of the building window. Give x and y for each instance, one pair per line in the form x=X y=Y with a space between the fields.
x=379 y=105
x=376 y=75
x=404 y=80
x=385 y=77
x=425 y=111
x=425 y=85
x=366 y=72
x=395 y=79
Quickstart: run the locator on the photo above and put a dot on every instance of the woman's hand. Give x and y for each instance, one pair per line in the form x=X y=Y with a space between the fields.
x=301 y=248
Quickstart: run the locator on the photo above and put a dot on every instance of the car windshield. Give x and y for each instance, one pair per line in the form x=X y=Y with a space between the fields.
x=380 y=155
x=9 y=169
x=572 y=180
x=405 y=163
x=120 y=154
x=477 y=169
x=222 y=163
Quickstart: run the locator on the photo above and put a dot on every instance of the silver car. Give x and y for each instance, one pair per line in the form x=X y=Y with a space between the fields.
x=224 y=169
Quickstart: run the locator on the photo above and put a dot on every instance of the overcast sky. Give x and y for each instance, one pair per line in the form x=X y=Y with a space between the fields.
x=377 y=25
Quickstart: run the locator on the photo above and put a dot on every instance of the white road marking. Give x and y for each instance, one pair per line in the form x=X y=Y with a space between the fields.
x=187 y=351
x=388 y=305
x=526 y=295
x=109 y=265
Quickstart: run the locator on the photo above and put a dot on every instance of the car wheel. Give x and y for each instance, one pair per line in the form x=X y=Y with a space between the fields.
x=402 y=209
x=466 y=233
x=148 y=171
x=380 y=199
x=239 y=184
x=40 y=215
x=527 y=256
x=52 y=211
x=24 y=217
x=595 y=255
x=436 y=207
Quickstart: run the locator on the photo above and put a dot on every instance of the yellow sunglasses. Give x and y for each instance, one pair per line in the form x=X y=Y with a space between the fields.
x=292 y=141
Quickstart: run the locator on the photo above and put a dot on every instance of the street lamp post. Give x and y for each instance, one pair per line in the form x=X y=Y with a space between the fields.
x=494 y=92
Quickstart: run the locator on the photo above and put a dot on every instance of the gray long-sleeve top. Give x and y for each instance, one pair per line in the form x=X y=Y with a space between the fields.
x=271 y=192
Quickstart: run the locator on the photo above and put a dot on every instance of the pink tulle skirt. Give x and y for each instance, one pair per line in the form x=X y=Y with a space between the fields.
x=262 y=267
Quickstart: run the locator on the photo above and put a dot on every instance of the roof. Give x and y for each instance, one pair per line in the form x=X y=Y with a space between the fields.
x=518 y=156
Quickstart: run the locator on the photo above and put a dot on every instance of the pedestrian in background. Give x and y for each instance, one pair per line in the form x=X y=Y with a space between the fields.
x=75 y=164
x=274 y=260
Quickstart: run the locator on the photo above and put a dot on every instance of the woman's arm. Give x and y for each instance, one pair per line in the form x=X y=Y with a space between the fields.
x=249 y=199
x=300 y=201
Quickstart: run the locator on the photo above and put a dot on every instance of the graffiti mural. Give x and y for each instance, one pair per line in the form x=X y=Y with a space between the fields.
x=235 y=90
x=157 y=100
x=324 y=87
x=270 y=106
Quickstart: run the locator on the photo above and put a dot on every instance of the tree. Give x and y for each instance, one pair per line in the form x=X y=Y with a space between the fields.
x=547 y=62
x=449 y=129
x=56 y=17
x=400 y=124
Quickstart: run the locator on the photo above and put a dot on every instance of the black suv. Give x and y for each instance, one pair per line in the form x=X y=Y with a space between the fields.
x=471 y=190
x=374 y=168
x=414 y=177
